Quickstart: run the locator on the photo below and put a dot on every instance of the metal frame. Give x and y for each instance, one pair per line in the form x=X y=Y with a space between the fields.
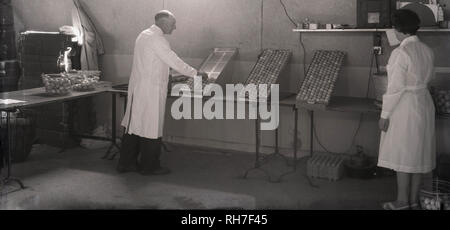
x=9 y=178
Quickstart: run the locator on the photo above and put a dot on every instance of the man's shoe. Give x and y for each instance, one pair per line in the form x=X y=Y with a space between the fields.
x=158 y=172
x=123 y=170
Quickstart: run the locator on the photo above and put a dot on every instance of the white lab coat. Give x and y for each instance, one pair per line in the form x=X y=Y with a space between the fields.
x=149 y=81
x=409 y=144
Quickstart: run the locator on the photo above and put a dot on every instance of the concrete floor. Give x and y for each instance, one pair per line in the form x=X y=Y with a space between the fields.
x=201 y=179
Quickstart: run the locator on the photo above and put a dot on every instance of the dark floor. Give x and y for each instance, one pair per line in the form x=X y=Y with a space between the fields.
x=201 y=179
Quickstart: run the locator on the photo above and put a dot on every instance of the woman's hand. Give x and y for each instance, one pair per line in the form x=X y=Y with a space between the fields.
x=384 y=124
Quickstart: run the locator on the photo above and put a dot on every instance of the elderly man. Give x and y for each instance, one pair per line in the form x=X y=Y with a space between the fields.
x=148 y=89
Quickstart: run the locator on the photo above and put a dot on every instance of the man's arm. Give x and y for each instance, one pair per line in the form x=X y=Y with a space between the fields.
x=169 y=57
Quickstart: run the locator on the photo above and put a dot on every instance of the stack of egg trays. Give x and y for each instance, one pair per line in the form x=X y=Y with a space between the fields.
x=268 y=69
x=326 y=167
x=321 y=78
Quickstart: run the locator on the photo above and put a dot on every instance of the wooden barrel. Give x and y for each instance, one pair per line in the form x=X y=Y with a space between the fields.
x=7 y=43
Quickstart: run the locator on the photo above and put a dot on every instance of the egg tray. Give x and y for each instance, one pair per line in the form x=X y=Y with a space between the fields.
x=215 y=65
x=321 y=78
x=442 y=101
x=267 y=70
x=326 y=166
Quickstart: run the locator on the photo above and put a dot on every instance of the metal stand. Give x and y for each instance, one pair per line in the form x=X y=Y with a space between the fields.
x=9 y=179
x=259 y=162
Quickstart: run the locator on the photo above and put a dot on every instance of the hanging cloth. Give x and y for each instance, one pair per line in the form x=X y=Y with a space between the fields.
x=88 y=38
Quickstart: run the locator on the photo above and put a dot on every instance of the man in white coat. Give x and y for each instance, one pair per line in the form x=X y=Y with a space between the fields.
x=147 y=94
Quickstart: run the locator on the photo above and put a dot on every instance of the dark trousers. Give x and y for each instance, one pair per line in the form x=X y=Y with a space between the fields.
x=141 y=152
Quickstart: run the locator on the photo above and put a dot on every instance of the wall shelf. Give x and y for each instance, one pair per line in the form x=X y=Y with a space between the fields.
x=362 y=30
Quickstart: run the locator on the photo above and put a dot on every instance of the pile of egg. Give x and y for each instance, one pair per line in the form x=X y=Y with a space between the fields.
x=321 y=78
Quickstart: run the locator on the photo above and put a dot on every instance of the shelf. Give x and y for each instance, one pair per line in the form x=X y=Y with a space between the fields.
x=362 y=30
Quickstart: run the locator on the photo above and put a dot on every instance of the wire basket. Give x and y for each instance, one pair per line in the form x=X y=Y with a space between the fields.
x=84 y=81
x=56 y=84
x=435 y=196
x=441 y=99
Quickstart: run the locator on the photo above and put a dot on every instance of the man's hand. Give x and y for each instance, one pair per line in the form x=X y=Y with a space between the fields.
x=384 y=124
x=204 y=76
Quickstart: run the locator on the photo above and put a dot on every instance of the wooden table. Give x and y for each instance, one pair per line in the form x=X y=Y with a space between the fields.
x=285 y=101
x=38 y=97
x=339 y=104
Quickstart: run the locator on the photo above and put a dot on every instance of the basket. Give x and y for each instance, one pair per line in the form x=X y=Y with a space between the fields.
x=56 y=84
x=435 y=196
x=441 y=99
x=84 y=81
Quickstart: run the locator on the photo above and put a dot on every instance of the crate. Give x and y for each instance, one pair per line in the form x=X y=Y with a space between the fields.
x=326 y=166
x=321 y=78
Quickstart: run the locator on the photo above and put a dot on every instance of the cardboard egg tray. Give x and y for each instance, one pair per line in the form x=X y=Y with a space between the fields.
x=320 y=80
x=217 y=65
x=270 y=65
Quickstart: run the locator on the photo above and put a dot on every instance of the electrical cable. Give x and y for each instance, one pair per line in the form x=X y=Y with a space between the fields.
x=361 y=119
x=287 y=14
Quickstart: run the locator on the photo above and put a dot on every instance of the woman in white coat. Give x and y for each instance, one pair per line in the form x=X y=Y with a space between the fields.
x=408 y=118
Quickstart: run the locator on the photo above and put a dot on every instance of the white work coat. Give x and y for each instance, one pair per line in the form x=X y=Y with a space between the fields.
x=409 y=144
x=149 y=81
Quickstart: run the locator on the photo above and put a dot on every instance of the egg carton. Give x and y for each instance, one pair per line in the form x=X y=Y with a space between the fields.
x=326 y=167
x=442 y=100
x=321 y=78
x=270 y=65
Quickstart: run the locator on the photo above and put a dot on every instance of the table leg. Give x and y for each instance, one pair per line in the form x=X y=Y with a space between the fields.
x=295 y=137
x=277 y=145
x=257 y=165
x=311 y=152
x=64 y=124
x=113 y=127
x=10 y=139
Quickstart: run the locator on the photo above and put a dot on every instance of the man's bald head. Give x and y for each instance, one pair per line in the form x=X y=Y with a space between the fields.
x=166 y=21
x=163 y=14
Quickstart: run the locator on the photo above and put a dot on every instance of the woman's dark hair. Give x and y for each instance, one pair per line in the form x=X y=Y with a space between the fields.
x=406 y=21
